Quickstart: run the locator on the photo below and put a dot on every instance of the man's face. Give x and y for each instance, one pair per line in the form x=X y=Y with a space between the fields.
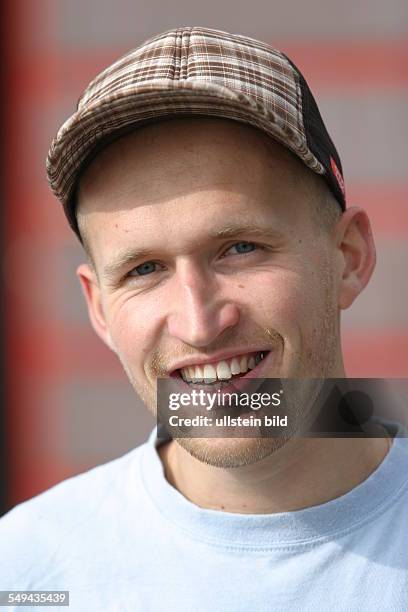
x=206 y=250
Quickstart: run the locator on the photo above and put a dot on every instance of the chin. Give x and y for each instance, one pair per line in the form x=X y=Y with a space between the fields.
x=231 y=452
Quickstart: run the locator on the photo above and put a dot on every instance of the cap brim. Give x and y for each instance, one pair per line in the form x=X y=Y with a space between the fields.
x=101 y=122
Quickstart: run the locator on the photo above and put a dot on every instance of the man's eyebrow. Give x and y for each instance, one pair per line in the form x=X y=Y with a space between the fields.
x=131 y=255
x=233 y=231
x=124 y=259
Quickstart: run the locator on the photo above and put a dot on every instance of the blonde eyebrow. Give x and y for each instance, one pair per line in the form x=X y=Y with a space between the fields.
x=124 y=259
x=132 y=255
x=233 y=231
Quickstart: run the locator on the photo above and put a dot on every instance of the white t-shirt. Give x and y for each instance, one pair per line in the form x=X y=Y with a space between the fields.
x=120 y=538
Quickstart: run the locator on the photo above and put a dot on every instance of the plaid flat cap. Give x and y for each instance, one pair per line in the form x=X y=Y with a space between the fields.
x=194 y=71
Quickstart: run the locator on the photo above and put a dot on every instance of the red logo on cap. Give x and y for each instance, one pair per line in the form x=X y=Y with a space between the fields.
x=338 y=176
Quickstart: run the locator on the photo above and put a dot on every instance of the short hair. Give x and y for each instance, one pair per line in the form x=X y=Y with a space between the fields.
x=81 y=233
x=325 y=208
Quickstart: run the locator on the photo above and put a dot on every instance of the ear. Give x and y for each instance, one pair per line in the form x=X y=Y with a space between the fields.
x=90 y=288
x=354 y=240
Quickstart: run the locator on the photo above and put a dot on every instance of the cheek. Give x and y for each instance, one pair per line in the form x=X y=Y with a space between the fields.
x=283 y=299
x=296 y=305
x=132 y=324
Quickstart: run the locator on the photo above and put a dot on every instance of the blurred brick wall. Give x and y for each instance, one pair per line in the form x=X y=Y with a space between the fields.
x=69 y=403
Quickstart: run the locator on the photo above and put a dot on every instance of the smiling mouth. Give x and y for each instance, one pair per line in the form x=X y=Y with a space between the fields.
x=222 y=371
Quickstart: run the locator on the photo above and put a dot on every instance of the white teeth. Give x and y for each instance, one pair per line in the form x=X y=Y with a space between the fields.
x=223 y=371
x=198 y=373
x=210 y=373
x=235 y=368
x=243 y=364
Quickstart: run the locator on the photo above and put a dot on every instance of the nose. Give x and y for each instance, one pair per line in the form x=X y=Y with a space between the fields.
x=198 y=312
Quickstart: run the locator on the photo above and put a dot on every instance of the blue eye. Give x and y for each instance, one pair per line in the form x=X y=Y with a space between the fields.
x=145 y=268
x=244 y=247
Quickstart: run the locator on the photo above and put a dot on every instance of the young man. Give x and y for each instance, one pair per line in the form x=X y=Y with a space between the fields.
x=199 y=177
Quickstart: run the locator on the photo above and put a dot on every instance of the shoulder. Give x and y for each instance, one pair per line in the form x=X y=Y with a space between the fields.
x=50 y=522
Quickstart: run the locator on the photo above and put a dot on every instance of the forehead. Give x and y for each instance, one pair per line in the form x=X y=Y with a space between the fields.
x=186 y=147
x=198 y=167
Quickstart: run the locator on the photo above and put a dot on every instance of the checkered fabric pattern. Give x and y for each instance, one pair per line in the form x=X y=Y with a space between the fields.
x=189 y=71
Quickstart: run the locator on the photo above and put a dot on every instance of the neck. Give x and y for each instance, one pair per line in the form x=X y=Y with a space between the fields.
x=303 y=473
